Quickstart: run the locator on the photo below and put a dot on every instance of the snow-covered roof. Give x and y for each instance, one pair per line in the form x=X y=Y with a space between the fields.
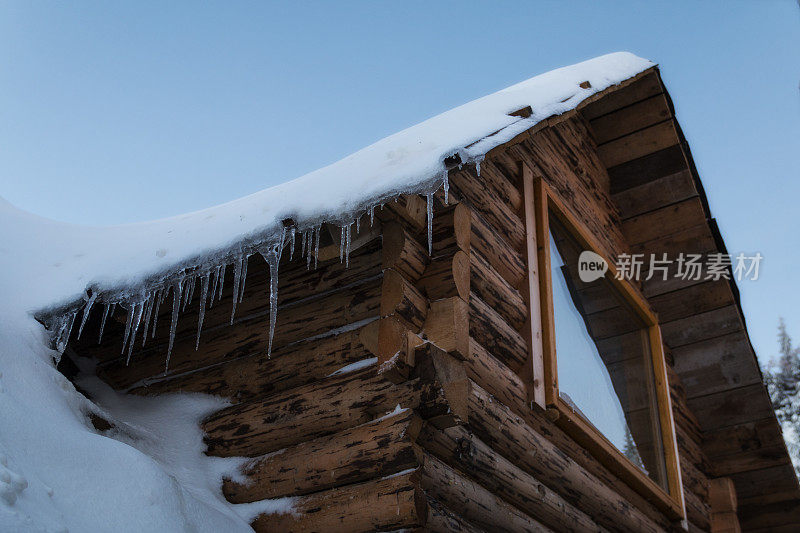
x=65 y=260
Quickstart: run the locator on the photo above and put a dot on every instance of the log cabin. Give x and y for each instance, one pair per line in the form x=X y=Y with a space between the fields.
x=441 y=365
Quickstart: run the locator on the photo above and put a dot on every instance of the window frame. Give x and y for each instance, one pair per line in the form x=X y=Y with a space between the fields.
x=670 y=500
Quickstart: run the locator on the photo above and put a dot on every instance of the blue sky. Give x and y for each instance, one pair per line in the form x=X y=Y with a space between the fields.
x=116 y=112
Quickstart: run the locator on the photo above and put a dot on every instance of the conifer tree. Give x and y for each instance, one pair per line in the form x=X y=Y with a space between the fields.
x=783 y=382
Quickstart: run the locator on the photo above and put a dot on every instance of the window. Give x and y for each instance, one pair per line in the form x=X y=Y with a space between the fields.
x=605 y=375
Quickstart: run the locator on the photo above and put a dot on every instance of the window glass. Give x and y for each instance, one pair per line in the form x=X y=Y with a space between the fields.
x=604 y=358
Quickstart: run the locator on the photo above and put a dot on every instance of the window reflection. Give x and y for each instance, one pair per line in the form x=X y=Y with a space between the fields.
x=604 y=358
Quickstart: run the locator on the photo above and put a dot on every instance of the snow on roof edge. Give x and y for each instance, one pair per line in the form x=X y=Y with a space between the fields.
x=160 y=253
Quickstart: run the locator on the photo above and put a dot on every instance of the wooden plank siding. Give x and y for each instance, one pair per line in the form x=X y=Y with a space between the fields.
x=663 y=210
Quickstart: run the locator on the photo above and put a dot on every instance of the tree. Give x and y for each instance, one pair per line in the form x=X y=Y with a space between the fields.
x=631 y=451
x=783 y=383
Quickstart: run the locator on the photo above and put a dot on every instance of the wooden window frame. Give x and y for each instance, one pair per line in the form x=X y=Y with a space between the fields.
x=540 y=203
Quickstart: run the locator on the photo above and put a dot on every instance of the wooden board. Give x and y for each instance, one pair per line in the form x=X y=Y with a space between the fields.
x=716 y=364
x=731 y=407
x=639 y=144
x=703 y=326
x=644 y=87
x=631 y=118
x=670 y=189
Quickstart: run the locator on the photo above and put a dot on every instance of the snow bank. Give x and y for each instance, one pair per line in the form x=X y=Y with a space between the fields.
x=57 y=473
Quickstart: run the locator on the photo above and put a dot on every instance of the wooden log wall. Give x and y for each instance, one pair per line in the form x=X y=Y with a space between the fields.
x=434 y=430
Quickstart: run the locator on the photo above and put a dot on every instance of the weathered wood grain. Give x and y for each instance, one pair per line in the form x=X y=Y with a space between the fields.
x=447 y=276
x=473 y=501
x=639 y=144
x=259 y=375
x=496 y=292
x=545 y=458
x=492 y=332
x=463 y=451
x=401 y=298
x=631 y=118
x=380 y=505
x=369 y=451
x=649 y=85
x=320 y=408
x=506 y=260
x=302 y=320
x=403 y=252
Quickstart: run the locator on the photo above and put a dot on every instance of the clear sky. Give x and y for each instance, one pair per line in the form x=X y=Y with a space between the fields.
x=115 y=112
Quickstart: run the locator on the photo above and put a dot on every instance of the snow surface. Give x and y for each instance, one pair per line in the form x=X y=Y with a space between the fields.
x=353 y=367
x=148 y=473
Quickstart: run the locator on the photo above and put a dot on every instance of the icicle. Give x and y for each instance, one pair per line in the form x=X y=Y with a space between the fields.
x=237 y=275
x=371 y=215
x=358 y=224
x=309 y=237
x=148 y=311
x=303 y=243
x=341 y=245
x=189 y=291
x=244 y=277
x=162 y=293
x=478 y=167
x=429 y=197
x=292 y=232
x=221 y=275
x=103 y=322
x=348 y=240
x=128 y=324
x=316 y=246
x=446 y=186
x=273 y=259
x=86 y=309
x=63 y=332
x=139 y=309
x=113 y=308
x=204 y=281
x=177 y=291
x=215 y=275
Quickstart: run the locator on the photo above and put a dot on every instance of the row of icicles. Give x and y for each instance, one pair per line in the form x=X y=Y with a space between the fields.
x=143 y=309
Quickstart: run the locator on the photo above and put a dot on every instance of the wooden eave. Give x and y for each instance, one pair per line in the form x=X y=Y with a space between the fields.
x=663 y=208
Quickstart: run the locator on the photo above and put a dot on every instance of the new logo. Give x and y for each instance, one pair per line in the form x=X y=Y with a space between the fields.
x=591 y=266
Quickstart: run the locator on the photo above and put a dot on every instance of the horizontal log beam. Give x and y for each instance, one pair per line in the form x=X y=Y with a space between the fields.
x=475 y=503
x=447 y=326
x=411 y=209
x=447 y=276
x=503 y=257
x=462 y=450
x=489 y=328
x=480 y=198
x=381 y=505
x=399 y=297
x=403 y=252
x=321 y=408
x=294 y=323
x=513 y=438
x=258 y=375
x=372 y=450
x=496 y=292
x=452 y=229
